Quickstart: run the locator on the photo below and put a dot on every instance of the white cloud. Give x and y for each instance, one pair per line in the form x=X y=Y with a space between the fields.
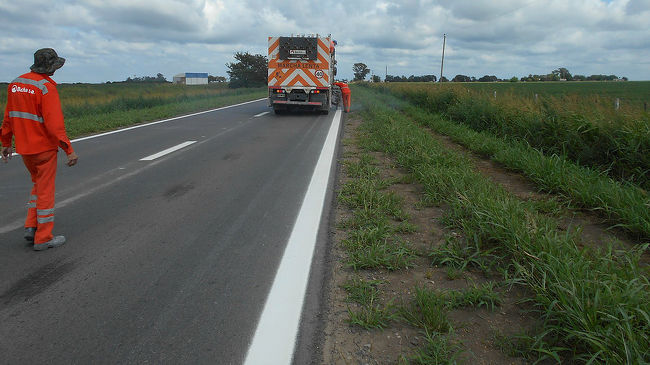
x=113 y=40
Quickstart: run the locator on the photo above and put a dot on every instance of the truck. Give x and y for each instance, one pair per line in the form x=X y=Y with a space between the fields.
x=301 y=72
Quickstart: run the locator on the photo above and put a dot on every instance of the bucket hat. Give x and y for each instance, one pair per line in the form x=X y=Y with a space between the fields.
x=46 y=61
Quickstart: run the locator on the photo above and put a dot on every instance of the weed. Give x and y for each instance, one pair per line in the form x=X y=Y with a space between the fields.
x=361 y=291
x=427 y=310
x=366 y=295
x=453 y=273
x=438 y=349
x=390 y=255
x=458 y=256
x=476 y=297
x=362 y=169
x=371 y=316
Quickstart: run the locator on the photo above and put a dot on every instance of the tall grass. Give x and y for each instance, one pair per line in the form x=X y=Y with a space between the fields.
x=579 y=127
x=624 y=205
x=595 y=305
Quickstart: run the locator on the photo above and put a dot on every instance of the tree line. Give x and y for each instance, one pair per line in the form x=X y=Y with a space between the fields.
x=559 y=74
x=361 y=71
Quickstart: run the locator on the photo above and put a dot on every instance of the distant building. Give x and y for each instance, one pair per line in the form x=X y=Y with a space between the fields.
x=191 y=78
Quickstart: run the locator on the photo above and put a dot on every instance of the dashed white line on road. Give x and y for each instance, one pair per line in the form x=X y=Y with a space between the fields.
x=167 y=151
x=260 y=114
x=277 y=329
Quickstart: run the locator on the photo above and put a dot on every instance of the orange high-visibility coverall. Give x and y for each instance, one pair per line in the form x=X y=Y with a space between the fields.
x=33 y=115
x=346 y=94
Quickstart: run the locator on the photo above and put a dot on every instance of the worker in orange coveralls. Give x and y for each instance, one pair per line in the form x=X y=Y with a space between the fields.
x=33 y=115
x=345 y=92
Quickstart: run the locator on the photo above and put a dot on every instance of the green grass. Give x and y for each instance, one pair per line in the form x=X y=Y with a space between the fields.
x=631 y=93
x=621 y=204
x=438 y=349
x=428 y=311
x=575 y=126
x=370 y=314
x=377 y=217
x=363 y=292
x=594 y=305
x=93 y=108
x=455 y=254
x=477 y=296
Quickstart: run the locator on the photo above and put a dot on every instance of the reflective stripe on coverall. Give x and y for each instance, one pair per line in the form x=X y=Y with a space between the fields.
x=33 y=116
x=40 y=213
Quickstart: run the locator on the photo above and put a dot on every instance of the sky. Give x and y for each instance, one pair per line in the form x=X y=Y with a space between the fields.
x=112 y=40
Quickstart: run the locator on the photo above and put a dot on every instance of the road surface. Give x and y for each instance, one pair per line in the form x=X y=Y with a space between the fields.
x=175 y=233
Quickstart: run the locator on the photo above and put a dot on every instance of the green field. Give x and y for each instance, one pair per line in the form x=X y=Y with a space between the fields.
x=631 y=93
x=574 y=120
x=92 y=108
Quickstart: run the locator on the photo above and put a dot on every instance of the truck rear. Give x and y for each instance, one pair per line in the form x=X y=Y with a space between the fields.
x=301 y=71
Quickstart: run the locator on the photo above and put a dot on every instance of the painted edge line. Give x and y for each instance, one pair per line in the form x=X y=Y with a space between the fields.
x=167 y=151
x=275 y=337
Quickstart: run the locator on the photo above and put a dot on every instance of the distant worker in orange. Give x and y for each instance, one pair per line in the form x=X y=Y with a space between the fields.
x=333 y=44
x=33 y=116
x=345 y=93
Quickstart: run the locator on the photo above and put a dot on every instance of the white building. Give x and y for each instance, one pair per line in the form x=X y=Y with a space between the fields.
x=191 y=78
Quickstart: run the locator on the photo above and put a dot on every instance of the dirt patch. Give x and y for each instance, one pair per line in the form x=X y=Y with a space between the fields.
x=473 y=329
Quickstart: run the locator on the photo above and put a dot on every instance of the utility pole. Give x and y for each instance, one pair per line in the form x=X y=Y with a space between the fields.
x=444 y=39
x=386 y=74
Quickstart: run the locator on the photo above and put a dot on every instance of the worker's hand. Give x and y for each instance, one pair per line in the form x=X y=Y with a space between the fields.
x=6 y=153
x=72 y=159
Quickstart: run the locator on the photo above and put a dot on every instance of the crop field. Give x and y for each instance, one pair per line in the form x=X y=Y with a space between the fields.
x=632 y=94
x=92 y=108
x=469 y=230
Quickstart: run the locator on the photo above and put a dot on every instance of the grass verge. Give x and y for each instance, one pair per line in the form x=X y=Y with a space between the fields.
x=594 y=305
x=623 y=205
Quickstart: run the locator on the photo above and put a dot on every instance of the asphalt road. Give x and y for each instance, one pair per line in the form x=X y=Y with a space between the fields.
x=168 y=260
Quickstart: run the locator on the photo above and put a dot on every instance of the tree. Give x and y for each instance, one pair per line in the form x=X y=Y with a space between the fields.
x=216 y=78
x=563 y=73
x=412 y=78
x=488 y=78
x=375 y=78
x=461 y=78
x=158 y=78
x=360 y=71
x=249 y=70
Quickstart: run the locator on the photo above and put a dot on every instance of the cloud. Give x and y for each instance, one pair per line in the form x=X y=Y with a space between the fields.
x=113 y=40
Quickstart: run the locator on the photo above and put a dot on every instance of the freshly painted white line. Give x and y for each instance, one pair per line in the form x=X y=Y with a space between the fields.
x=167 y=151
x=275 y=336
x=260 y=114
x=157 y=122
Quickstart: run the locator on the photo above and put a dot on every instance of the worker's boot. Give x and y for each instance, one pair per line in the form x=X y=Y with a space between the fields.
x=29 y=233
x=54 y=242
